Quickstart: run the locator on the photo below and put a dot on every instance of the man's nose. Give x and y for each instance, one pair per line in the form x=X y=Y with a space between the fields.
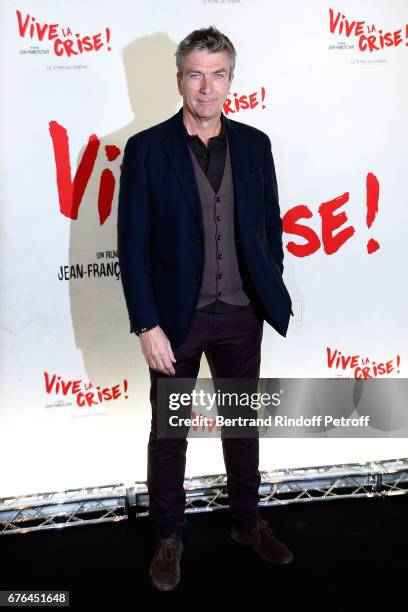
x=205 y=84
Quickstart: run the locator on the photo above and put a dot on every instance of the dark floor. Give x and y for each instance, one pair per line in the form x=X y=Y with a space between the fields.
x=349 y=555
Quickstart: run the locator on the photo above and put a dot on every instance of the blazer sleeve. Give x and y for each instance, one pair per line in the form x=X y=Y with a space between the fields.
x=133 y=237
x=273 y=219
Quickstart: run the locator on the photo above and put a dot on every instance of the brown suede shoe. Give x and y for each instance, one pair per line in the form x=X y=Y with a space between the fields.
x=165 y=567
x=262 y=540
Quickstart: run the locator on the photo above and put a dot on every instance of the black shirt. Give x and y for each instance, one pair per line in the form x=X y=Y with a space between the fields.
x=211 y=157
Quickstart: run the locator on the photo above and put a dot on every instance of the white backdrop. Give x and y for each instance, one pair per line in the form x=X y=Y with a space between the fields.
x=336 y=115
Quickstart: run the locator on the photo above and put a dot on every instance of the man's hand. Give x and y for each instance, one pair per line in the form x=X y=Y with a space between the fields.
x=157 y=350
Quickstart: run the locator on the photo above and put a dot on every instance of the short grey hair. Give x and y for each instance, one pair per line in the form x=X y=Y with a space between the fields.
x=205 y=39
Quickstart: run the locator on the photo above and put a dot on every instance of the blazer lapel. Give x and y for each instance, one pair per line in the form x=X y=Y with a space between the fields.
x=176 y=147
x=238 y=164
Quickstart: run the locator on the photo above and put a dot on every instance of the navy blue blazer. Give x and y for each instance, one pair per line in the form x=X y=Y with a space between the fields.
x=161 y=235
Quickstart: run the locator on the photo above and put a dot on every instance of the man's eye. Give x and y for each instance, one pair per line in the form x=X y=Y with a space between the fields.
x=194 y=75
x=219 y=75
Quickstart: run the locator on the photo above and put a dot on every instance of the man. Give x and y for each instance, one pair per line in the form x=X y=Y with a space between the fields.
x=201 y=259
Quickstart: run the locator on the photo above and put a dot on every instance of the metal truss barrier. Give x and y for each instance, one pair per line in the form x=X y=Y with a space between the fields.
x=112 y=503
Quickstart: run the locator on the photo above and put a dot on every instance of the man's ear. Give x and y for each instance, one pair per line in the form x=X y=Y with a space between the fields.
x=178 y=75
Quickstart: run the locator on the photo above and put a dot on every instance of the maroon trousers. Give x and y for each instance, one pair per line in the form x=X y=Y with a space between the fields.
x=231 y=342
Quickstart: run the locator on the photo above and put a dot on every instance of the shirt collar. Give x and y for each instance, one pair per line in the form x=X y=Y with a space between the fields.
x=220 y=136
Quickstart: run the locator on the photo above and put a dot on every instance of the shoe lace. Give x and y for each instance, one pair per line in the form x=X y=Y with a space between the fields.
x=168 y=549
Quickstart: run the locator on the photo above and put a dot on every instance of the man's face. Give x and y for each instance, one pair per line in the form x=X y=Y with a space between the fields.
x=205 y=82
